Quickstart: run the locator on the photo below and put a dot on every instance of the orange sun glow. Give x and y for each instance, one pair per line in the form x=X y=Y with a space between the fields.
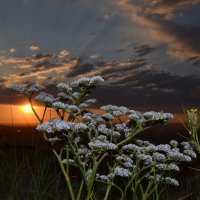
x=27 y=108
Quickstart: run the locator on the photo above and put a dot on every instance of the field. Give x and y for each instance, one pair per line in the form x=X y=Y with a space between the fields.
x=29 y=170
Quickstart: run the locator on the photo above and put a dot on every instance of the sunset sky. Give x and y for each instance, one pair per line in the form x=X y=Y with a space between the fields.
x=148 y=51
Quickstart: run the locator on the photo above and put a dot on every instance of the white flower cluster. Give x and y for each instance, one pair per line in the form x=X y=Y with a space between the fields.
x=187 y=145
x=135 y=115
x=83 y=106
x=160 y=178
x=70 y=161
x=45 y=98
x=62 y=95
x=115 y=110
x=173 y=143
x=164 y=147
x=80 y=127
x=133 y=148
x=35 y=88
x=171 y=181
x=190 y=153
x=108 y=116
x=21 y=88
x=120 y=127
x=146 y=158
x=64 y=87
x=152 y=115
x=17 y=87
x=177 y=156
x=149 y=148
x=120 y=171
x=74 y=108
x=88 y=82
x=159 y=157
x=125 y=160
x=55 y=125
x=60 y=105
x=103 y=129
x=97 y=144
x=90 y=101
x=169 y=167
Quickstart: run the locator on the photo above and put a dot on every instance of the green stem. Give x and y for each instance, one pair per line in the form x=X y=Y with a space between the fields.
x=127 y=186
x=108 y=191
x=33 y=109
x=67 y=157
x=93 y=176
x=80 y=190
x=65 y=175
x=132 y=135
x=45 y=109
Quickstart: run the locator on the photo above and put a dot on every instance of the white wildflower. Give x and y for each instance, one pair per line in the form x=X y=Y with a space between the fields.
x=91 y=101
x=190 y=153
x=102 y=145
x=164 y=147
x=159 y=157
x=152 y=115
x=18 y=87
x=83 y=105
x=146 y=158
x=46 y=98
x=173 y=167
x=64 y=87
x=59 y=105
x=74 y=108
x=108 y=116
x=120 y=127
x=174 y=143
x=71 y=161
x=80 y=127
x=120 y=171
x=171 y=181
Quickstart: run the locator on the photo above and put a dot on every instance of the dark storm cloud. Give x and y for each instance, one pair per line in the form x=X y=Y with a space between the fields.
x=162 y=23
x=81 y=69
x=142 y=50
x=147 y=87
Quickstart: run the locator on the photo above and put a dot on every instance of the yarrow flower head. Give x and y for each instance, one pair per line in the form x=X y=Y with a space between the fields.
x=152 y=115
x=60 y=105
x=64 y=87
x=46 y=98
x=174 y=143
x=54 y=125
x=88 y=82
x=102 y=145
x=17 y=87
x=108 y=116
x=120 y=171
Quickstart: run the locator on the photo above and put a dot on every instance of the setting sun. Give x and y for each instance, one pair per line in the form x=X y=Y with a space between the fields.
x=27 y=108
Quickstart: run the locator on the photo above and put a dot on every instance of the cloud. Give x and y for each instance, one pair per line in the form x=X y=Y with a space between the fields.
x=63 y=53
x=143 y=50
x=12 y=50
x=157 y=25
x=23 y=66
x=44 y=68
x=25 y=60
x=34 y=48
